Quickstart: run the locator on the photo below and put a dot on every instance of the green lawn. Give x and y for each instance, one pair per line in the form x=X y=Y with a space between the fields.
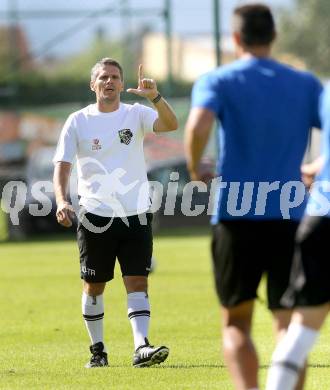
x=44 y=344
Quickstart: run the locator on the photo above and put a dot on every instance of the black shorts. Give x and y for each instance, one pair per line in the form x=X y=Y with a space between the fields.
x=131 y=245
x=244 y=250
x=309 y=282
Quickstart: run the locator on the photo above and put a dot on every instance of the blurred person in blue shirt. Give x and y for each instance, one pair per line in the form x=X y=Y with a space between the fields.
x=265 y=112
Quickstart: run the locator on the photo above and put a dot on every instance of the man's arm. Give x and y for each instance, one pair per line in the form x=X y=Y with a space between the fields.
x=197 y=132
x=61 y=178
x=147 y=88
x=166 y=120
x=310 y=170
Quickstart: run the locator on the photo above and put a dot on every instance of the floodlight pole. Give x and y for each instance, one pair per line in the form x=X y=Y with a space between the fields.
x=217 y=43
x=12 y=40
x=125 y=14
x=217 y=32
x=168 y=23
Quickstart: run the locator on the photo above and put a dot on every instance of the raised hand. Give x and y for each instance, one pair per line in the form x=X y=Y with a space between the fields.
x=146 y=87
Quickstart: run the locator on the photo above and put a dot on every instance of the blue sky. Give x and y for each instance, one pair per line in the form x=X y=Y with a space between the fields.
x=189 y=17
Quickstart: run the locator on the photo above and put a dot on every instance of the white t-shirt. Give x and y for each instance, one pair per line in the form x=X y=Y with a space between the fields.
x=108 y=147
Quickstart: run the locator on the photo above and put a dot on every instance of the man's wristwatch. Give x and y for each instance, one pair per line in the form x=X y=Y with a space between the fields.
x=156 y=99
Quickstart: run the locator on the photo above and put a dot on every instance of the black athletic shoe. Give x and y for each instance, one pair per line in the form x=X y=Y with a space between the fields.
x=147 y=355
x=99 y=358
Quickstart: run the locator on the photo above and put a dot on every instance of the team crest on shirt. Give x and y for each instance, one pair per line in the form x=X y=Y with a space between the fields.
x=125 y=136
x=96 y=144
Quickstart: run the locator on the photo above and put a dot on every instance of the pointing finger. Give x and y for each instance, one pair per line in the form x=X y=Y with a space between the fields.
x=140 y=73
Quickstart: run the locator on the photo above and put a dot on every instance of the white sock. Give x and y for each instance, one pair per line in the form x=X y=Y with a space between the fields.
x=93 y=313
x=138 y=309
x=289 y=357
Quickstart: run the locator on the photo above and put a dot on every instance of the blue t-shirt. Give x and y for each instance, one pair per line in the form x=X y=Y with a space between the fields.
x=319 y=202
x=265 y=110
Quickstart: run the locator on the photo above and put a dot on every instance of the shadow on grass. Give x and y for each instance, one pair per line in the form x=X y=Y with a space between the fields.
x=188 y=366
x=262 y=367
x=311 y=365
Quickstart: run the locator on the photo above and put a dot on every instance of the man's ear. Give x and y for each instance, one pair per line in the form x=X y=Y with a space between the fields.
x=274 y=36
x=91 y=84
x=237 y=38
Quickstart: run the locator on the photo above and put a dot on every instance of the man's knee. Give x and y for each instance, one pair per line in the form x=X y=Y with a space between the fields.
x=136 y=283
x=239 y=316
x=237 y=326
x=281 y=322
x=94 y=289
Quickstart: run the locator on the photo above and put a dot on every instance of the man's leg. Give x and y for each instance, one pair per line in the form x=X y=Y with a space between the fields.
x=311 y=297
x=239 y=352
x=291 y=352
x=282 y=320
x=93 y=313
x=139 y=315
x=93 y=310
x=138 y=307
x=97 y=262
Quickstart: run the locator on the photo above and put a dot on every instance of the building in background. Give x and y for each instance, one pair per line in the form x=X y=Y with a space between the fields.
x=192 y=56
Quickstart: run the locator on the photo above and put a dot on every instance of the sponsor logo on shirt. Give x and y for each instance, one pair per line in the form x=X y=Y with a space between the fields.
x=96 y=144
x=125 y=136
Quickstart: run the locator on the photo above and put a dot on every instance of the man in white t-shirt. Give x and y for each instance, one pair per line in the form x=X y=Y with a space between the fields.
x=106 y=141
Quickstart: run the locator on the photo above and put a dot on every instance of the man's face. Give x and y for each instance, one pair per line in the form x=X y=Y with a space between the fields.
x=108 y=84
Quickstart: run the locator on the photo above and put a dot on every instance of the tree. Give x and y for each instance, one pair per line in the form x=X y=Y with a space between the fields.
x=79 y=66
x=305 y=32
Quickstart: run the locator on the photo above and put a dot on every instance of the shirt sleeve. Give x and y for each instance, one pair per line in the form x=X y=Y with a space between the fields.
x=205 y=94
x=148 y=117
x=67 y=144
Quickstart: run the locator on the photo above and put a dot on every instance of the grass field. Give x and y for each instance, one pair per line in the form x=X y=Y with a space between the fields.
x=44 y=344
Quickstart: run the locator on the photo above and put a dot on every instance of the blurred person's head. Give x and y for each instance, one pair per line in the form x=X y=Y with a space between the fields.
x=107 y=80
x=253 y=29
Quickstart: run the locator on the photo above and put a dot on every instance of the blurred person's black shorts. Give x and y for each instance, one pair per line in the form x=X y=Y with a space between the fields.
x=131 y=245
x=309 y=281
x=244 y=250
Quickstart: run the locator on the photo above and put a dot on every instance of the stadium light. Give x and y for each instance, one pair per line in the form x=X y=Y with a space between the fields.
x=168 y=28
x=217 y=31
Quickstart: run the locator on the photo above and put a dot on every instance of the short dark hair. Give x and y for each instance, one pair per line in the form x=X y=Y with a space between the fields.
x=102 y=63
x=255 y=24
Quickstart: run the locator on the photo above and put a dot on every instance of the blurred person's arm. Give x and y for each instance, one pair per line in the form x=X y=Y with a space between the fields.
x=310 y=170
x=147 y=88
x=61 y=178
x=197 y=132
